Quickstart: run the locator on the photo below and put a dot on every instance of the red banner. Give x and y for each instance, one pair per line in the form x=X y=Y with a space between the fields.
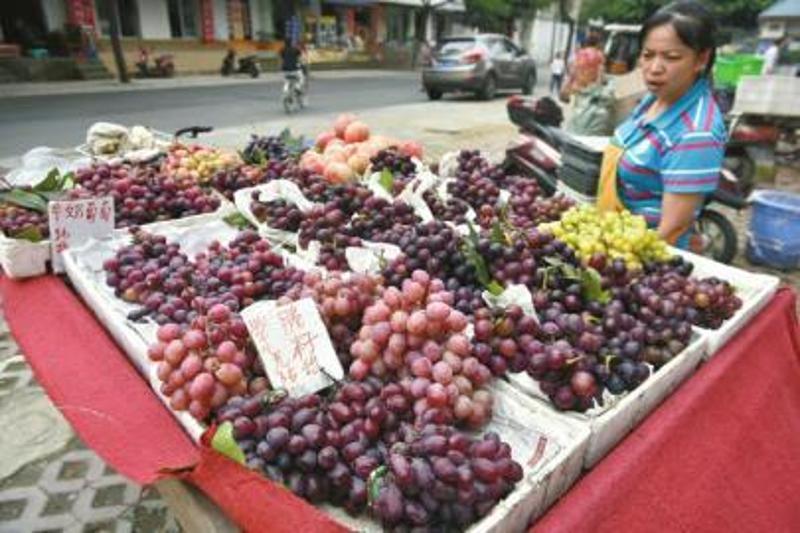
x=207 y=20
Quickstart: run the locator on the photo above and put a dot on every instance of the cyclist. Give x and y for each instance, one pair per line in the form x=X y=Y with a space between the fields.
x=291 y=63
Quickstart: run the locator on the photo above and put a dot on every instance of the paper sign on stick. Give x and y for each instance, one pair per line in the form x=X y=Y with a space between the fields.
x=75 y=221
x=294 y=346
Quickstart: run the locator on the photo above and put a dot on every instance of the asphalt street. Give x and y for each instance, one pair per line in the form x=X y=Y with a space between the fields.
x=62 y=120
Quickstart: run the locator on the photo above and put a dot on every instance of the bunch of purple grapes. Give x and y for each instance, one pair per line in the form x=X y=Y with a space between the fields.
x=245 y=270
x=713 y=302
x=401 y=166
x=477 y=182
x=142 y=194
x=278 y=214
x=228 y=181
x=378 y=216
x=453 y=210
x=155 y=274
x=15 y=220
x=265 y=148
x=505 y=339
x=441 y=478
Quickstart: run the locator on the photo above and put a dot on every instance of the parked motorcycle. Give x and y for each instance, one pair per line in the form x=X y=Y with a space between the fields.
x=162 y=67
x=539 y=152
x=246 y=65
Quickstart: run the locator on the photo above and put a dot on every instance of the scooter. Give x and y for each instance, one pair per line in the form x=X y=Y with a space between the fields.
x=295 y=88
x=246 y=65
x=538 y=153
x=163 y=66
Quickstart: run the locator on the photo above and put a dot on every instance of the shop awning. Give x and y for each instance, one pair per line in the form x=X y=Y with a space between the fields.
x=439 y=5
x=351 y=3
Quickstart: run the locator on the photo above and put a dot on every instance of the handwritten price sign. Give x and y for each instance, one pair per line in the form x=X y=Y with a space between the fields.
x=294 y=345
x=75 y=221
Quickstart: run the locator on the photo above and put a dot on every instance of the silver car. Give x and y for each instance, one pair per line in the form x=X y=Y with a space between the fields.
x=482 y=63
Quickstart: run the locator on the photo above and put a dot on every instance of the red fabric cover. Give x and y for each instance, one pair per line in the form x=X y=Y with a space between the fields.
x=721 y=454
x=90 y=380
x=116 y=414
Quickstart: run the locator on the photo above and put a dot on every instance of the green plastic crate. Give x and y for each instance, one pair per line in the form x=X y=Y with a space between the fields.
x=730 y=68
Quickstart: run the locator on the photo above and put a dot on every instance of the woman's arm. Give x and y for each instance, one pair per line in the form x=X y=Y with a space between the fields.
x=677 y=214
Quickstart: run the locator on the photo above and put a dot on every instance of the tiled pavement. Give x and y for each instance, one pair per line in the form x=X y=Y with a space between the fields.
x=68 y=490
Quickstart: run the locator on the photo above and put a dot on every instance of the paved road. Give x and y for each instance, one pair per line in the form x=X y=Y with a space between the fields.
x=62 y=120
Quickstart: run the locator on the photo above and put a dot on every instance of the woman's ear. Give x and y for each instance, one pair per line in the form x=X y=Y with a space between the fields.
x=702 y=60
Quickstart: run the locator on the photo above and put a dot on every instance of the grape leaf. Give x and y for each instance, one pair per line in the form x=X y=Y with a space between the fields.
x=495 y=288
x=374 y=483
x=386 y=180
x=30 y=233
x=224 y=443
x=237 y=220
x=28 y=200
x=49 y=183
x=592 y=287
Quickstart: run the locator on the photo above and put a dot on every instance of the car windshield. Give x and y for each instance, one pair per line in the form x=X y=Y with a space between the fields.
x=455 y=47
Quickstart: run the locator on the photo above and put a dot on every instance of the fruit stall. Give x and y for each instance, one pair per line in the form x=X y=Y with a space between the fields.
x=340 y=334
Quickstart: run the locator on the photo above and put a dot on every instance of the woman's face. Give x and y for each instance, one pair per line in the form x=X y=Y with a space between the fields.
x=669 y=67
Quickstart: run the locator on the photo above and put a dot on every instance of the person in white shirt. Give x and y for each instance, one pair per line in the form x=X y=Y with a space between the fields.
x=557 y=67
x=772 y=55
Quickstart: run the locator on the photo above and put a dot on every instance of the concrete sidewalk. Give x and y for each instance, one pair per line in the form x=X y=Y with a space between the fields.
x=12 y=90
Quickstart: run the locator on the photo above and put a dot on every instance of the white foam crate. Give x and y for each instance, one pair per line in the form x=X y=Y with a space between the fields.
x=609 y=423
x=767 y=95
x=755 y=290
x=532 y=431
x=23 y=259
x=84 y=268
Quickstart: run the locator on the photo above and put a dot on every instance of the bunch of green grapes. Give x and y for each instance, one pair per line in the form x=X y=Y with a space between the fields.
x=614 y=235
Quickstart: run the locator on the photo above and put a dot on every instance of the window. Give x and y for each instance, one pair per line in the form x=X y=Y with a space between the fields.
x=128 y=17
x=510 y=48
x=183 y=18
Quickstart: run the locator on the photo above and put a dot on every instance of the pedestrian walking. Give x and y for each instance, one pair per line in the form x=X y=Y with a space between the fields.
x=557 y=68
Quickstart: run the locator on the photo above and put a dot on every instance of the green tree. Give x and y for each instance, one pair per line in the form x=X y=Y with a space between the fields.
x=740 y=13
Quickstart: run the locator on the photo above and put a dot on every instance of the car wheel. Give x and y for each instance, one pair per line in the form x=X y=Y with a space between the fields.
x=489 y=88
x=529 y=83
x=434 y=94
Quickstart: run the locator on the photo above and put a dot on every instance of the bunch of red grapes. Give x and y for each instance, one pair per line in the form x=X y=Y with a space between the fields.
x=401 y=167
x=15 y=219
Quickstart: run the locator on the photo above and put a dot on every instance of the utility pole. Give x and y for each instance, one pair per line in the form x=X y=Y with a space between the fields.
x=116 y=45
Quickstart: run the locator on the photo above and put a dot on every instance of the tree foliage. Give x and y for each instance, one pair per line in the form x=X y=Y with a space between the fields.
x=741 y=13
x=496 y=15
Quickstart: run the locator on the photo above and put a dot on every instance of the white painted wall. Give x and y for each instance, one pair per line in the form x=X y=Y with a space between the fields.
x=154 y=19
x=220 y=21
x=548 y=37
x=55 y=14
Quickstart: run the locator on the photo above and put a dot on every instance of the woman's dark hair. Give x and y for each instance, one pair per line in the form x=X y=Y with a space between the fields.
x=693 y=23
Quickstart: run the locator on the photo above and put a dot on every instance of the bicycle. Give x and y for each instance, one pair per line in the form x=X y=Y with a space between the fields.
x=294 y=91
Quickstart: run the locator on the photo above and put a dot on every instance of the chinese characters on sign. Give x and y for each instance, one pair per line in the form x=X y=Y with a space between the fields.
x=294 y=345
x=75 y=221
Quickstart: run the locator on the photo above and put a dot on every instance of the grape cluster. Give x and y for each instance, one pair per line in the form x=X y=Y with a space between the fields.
x=435 y=248
x=327 y=223
x=321 y=450
x=505 y=339
x=238 y=274
x=453 y=210
x=713 y=302
x=153 y=273
x=378 y=216
x=522 y=257
x=441 y=478
x=142 y=194
x=265 y=148
x=201 y=366
x=278 y=214
x=401 y=166
x=618 y=235
x=15 y=219
x=341 y=301
x=414 y=334
x=228 y=181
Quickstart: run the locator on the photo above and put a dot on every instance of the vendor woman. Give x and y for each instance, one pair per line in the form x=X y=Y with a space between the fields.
x=667 y=155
